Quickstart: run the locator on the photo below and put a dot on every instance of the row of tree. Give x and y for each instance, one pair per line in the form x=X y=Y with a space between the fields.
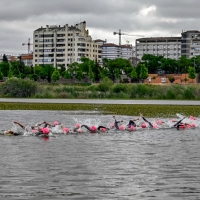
x=113 y=69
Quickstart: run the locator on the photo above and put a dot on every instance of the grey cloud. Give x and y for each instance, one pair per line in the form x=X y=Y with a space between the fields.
x=20 y=18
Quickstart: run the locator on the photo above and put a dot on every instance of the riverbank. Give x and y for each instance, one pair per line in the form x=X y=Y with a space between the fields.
x=148 y=110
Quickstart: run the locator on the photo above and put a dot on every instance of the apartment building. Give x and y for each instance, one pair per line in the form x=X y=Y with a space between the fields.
x=190 y=43
x=169 y=47
x=63 y=45
x=27 y=59
x=113 y=51
x=187 y=45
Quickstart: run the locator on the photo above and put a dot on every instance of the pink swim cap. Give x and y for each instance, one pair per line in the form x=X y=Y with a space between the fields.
x=112 y=125
x=159 y=122
x=77 y=125
x=122 y=128
x=132 y=128
x=80 y=130
x=193 y=125
x=155 y=126
x=144 y=126
x=46 y=131
x=103 y=129
x=93 y=128
x=56 y=123
x=66 y=130
x=192 y=118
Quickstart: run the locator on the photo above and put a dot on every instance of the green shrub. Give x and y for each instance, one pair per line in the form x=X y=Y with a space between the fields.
x=188 y=93
x=92 y=88
x=19 y=88
x=120 y=87
x=170 y=95
x=142 y=90
x=105 y=85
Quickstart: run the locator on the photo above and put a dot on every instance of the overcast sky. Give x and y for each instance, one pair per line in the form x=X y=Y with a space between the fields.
x=150 y=18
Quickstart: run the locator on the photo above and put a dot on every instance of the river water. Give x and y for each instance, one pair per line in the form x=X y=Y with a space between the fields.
x=148 y=164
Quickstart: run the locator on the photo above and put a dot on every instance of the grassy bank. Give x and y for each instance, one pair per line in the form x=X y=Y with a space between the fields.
x=131 y=110
x=20 y=88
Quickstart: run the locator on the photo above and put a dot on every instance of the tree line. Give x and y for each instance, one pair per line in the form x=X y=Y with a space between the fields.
x=112 y=69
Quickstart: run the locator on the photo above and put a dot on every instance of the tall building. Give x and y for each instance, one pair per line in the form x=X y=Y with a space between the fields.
x=169 y=47
x=63 y=45
x=187 y=45
x=190 y=43
x=112 y=51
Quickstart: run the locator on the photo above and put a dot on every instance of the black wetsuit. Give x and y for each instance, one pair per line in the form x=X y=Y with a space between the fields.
x=99 y=127
x=150 y=124
x=87 y=127
x=131 y=123
x=116 y=124
x=178 y=124
x=16 y=134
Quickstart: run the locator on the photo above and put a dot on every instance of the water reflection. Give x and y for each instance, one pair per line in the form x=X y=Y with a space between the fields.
x=148 y=164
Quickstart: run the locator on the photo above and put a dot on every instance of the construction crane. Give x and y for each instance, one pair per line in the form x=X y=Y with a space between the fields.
x=28 y=42
x=120 y=33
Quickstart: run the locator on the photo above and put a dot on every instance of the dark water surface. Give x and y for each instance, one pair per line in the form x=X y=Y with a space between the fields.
x=147 y=164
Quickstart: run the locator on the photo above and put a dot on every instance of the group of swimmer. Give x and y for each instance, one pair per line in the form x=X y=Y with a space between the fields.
x=46 y=129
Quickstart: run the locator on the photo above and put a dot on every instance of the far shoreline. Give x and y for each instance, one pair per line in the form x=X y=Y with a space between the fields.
x=148 y=109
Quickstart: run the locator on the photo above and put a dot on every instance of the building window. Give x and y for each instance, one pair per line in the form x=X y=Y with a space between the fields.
x=163 y=80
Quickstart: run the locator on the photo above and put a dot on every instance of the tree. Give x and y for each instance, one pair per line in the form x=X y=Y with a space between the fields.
x=152 y=62
x=91 y=74
x=171 y=79
x=134 y=74
x=4 y=67
x=105 y=85
x=55 y=76
x=67 y=75
x=79 y=75
x=73 y=68
x=191 y=73
x=143 y=72
x=10 y=73
x=1 y=76
x=5 y=59
x=113 y=68
x=45 y=72
x=21 y=65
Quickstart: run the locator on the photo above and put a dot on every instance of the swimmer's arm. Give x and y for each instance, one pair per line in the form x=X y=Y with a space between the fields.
x=19 y=124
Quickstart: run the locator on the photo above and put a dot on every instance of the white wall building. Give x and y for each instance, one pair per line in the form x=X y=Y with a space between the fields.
x=63 y=45
x=169 y=47
x=187 y=45
x=190 y=43
x=113 y=51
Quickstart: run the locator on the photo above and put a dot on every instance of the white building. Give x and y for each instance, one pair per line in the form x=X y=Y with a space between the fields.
x=113 y=51
x=63 y=45
x=187 y=45
x=190 y=43
x=169 y=47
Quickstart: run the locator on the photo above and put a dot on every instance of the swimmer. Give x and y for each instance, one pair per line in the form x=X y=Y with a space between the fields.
x=102 y=129
x=92 y=129
x=77 y=127
x=182 y=125
x=65 y=130
x=12 y=133
x=132 y=122
x=150 y=124
x=116 y=123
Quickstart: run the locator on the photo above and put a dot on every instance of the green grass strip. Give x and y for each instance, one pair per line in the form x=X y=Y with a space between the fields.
x=130 y=110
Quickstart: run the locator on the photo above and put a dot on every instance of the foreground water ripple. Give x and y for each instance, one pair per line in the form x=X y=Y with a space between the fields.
x=148 y=164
